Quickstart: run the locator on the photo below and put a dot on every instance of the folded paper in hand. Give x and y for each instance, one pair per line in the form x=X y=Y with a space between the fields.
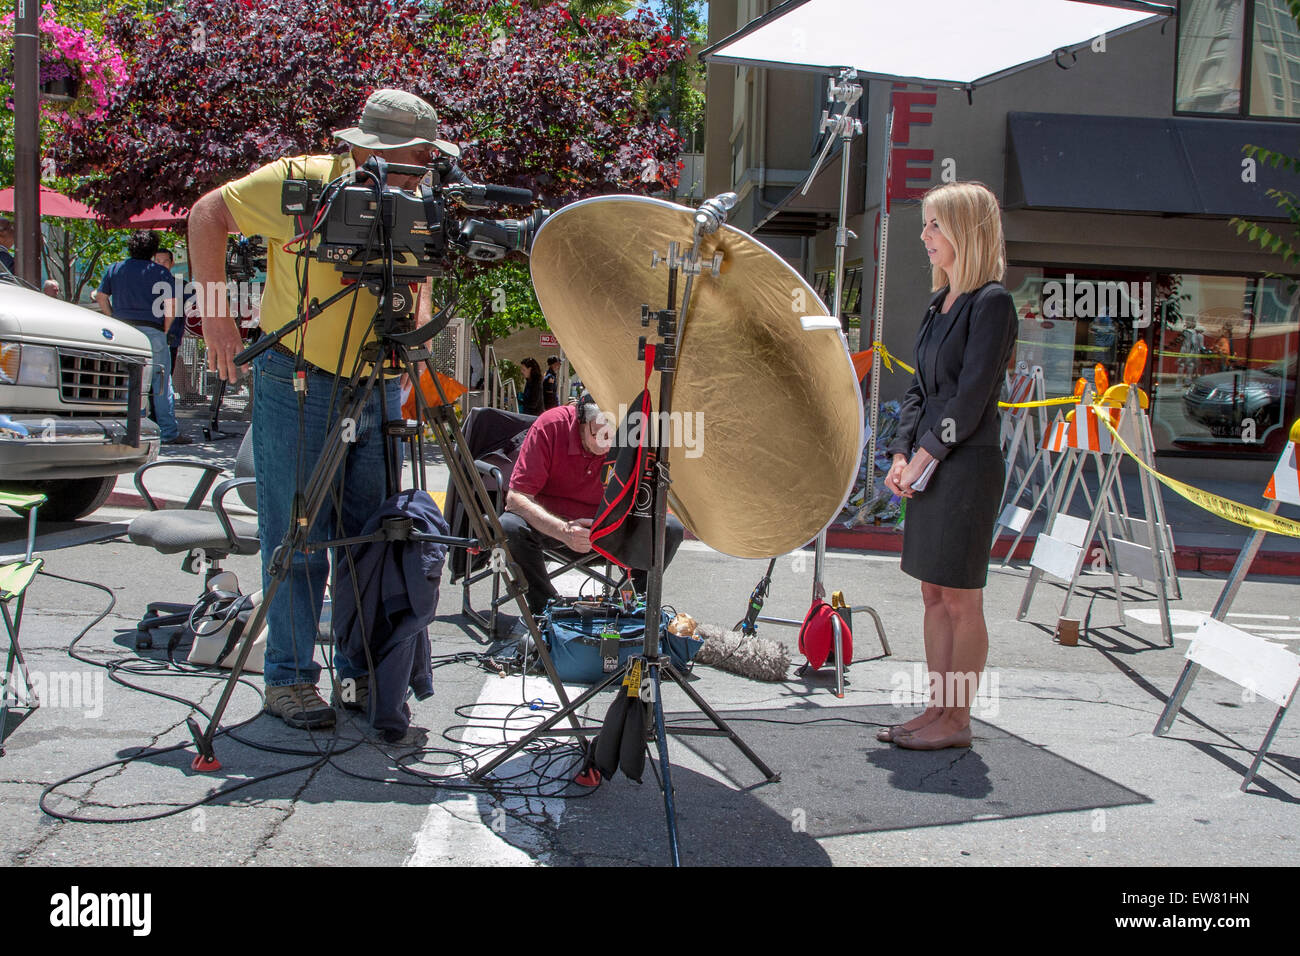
x=924 y=478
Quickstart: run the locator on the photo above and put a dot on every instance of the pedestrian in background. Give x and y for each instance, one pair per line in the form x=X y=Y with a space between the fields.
x=551 y=382
x=947 y=460
x=7 y=239
x=142 y=293
x=531 y=402
x=176 y=333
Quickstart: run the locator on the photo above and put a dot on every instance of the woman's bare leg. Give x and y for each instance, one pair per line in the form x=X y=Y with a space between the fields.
x=968 y=647
x=936 y=628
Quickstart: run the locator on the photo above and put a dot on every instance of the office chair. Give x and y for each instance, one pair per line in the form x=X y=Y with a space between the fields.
x=205 y=537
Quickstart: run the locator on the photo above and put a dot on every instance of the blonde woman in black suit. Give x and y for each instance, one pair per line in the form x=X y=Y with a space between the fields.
x=947 y=461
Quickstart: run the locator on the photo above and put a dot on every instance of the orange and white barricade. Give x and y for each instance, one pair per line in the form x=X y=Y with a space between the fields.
x=1269 y=671
x=1131 y=546
x=1087 y=432
x=1284 y=486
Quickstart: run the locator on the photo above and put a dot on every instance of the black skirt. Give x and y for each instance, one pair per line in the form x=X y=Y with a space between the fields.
x=948 y=529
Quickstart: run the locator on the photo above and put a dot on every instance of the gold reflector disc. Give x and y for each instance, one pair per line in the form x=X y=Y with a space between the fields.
x=766 y=424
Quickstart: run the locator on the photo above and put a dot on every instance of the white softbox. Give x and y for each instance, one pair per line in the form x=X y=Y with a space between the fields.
x=945 y=42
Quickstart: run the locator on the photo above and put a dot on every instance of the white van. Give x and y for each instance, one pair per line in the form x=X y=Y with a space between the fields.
x=71 y=383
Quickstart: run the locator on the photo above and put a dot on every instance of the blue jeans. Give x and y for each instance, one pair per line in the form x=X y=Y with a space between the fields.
x=164 y=409
x=282 y=463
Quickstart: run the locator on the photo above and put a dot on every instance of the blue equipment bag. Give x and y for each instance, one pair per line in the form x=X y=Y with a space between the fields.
x=588 y=637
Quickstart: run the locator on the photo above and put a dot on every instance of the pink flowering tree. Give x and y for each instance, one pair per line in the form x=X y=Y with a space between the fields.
x=84 y=70
x=74 y=62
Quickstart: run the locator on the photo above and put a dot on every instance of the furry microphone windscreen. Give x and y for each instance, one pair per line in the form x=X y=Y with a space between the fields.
x=752 y=657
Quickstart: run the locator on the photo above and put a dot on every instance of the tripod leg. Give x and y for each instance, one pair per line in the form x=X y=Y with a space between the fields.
x=661 y=736
x=568 y=711
x=317 y=488
x=880 y=629
x=771 y=775
x=485 y=525
x=214 y=421
x=839 y=656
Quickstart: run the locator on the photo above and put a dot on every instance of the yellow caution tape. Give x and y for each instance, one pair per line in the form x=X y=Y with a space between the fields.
x=1068 y=400
x=1065 y=345
x=889 y=359
x=1225 y=508
x=1216 y=356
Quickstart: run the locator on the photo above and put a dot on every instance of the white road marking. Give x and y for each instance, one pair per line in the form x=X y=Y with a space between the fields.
x=1258 y=624
x=454 y=832
x=805 y=555
x=1178 y=617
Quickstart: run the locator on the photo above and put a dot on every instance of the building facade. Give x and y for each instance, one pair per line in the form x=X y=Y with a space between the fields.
x=1120 y=169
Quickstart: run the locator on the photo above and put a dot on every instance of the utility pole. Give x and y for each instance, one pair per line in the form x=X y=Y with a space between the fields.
x=27 y=143
x=674 y=109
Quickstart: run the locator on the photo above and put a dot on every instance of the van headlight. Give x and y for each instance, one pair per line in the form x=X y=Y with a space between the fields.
x=34 y=365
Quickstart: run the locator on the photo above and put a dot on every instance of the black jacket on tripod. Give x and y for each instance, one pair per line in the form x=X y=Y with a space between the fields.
x=392 y=596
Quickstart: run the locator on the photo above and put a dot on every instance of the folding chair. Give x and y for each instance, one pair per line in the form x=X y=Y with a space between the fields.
x=15 y=577
x=592 y=564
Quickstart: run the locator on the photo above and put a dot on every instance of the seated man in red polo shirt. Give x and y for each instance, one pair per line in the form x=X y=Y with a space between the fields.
x=555 y=489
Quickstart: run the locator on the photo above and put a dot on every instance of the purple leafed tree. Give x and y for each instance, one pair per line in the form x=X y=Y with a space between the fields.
x=536 y=97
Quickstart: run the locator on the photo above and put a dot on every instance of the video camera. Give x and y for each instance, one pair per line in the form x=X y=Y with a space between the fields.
x=367 y=221
x=245 y=257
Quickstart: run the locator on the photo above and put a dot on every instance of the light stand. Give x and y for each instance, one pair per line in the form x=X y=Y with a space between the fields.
x=709 y=218
x=843 y=127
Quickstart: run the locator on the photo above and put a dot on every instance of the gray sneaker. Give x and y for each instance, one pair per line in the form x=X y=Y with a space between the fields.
x=299 y=705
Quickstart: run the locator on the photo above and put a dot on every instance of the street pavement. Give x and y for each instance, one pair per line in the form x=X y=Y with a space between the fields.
x=1064 y=769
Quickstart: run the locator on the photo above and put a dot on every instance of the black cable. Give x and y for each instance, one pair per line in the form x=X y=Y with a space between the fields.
x=137 y=666
x=547 y=782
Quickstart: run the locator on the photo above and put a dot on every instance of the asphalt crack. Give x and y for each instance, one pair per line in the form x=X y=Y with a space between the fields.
x=265 y=841
x=965 y=752
x=21 y=856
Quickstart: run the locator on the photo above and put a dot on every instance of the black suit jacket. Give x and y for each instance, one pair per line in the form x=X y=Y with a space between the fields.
x=961 y=359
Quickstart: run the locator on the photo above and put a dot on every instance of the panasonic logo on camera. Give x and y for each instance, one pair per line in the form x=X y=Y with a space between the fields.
x=77 y=909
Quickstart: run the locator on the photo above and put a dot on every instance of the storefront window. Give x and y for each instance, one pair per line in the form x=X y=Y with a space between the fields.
x=1224 y=363
x=1072 y=320
x=850 y=299
x=1222 y=372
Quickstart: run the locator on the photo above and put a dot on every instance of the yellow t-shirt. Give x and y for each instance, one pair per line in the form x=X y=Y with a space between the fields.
x=254 y=203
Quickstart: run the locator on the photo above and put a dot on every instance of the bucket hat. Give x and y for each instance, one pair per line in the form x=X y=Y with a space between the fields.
x=392 y=119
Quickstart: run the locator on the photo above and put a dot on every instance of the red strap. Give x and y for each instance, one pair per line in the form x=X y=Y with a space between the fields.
x=649 y=363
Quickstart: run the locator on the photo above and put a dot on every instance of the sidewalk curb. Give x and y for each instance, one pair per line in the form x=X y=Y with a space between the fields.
x=133 y=499
x=1191 y=558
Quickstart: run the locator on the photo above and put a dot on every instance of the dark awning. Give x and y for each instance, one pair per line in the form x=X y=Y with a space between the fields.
x=1171 y=166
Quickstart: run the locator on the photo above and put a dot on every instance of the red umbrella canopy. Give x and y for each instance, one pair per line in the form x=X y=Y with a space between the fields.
x=159 y=217
x=52 y=204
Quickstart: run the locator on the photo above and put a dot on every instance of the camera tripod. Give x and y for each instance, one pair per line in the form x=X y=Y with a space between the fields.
x=643 y=675
x=401 y=351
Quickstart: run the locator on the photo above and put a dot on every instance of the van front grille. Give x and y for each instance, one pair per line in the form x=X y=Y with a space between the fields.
x=92 y=378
